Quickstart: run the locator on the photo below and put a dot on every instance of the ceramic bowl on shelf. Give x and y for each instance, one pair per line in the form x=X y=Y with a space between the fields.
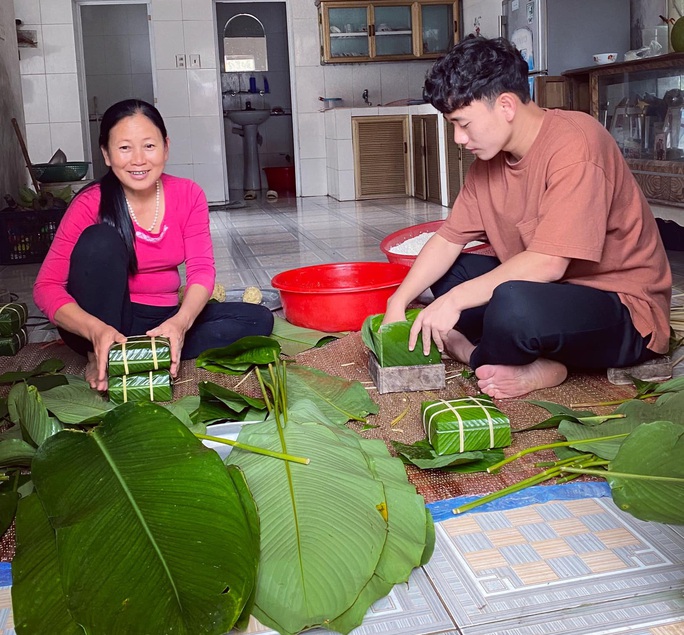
x=605 y=58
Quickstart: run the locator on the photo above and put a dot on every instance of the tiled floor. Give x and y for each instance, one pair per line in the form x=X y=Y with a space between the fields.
x=577 y=567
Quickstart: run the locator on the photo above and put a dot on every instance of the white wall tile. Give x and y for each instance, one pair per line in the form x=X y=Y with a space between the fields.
x=172 y=93
x=138 y=23
x=203 y=93
x=59 y=48
x=343 y=123
x=34 y=91
x=117 y=54
x=333 y=183
x=38 y=142
x=206 y=139
x=140 y=54
x=345 y=155
x=115 y=19
x=307 y=51
x=302 y=9
x=310 y=86
x=346 y=180
x=197 y=9
x=366 y=76
x=168 y=41
x=63 y=98
x=331 y=153
x=32 y=61
x=167 y=10
x=338 y=82
x=68 y=137
x=28 y=11
x=416 y=78
x=180 y=139
x=183 y=170
x=330 y=125
x=312 y=137
x=94 y=57
x=91 y=20
x=142 y=87
x=393 y=83
x=199 y=38
x=211 y=179
x=56 y=12
x=313 y=175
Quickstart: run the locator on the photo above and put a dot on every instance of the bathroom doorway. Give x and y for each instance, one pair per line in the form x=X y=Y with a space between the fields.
x=116 y=62
x=276 y=142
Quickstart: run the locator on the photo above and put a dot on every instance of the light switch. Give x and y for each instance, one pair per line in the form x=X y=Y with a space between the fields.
x=180 y=60
x=194 y=60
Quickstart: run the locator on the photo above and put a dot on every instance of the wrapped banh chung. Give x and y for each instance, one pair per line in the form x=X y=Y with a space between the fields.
x=154 y=385
x=13 y=316
x=139 y=353
x=465 y=424
x=11 y=345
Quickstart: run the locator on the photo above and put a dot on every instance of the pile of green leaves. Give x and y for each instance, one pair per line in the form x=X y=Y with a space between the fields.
x=639 y=450
x=389 y=342
x=338 y=533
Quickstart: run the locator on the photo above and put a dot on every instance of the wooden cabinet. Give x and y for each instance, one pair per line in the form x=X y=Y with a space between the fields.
x=426 y=157
x=381 y=163
x=386 y=30
x=640 y=102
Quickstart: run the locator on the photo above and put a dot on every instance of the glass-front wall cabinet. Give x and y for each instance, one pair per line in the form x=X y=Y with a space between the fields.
x=640 y=103
x=356 y=31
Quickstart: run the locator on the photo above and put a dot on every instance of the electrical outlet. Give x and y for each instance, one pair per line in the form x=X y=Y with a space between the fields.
x=180 y=60
x=194 y=60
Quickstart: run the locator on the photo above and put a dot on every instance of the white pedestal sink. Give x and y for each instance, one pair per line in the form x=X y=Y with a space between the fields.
x=250 y=120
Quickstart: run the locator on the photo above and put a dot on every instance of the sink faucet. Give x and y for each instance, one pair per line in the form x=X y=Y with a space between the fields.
x=364 y=95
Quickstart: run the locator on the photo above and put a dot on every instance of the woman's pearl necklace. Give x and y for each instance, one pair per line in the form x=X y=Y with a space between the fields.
x=156 y=211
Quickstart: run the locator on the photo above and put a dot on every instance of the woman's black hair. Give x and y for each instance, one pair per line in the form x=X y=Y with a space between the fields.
x=113 y=209
x=477 y=69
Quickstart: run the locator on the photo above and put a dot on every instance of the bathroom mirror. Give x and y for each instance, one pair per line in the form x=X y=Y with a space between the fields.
x=244 y=44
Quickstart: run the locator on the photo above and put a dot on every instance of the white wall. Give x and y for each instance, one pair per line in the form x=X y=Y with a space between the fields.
x=189 y=99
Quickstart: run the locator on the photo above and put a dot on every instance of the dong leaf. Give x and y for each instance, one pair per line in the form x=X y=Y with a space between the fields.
x=27 y=409
x=38 y=600
x=151 y=534
x=45 y=367
x=389 y=342
x=76 y=404
x=240 y=356
x=423 y=455
x=296 y=339
x=340 y=400
x=217 y=402
x=647 y=474
x=16 y=453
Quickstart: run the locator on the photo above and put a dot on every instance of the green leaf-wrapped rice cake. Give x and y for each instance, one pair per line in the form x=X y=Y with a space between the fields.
x=154 y=385
x=13 y=316
x=139 y=354
x=11 y=345
x=465 y=425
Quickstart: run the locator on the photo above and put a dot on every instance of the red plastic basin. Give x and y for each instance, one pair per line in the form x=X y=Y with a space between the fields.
x=402 y=235
x=337 y=296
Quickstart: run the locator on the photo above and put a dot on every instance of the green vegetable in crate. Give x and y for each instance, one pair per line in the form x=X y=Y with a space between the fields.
x=139 y=353
x=12 y=317
x=154 y=385
x=12 y=344
x=464 y=425
x=389 y=343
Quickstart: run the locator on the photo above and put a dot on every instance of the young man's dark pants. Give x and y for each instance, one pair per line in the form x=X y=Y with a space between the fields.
x=576 y=325
x=98 y=281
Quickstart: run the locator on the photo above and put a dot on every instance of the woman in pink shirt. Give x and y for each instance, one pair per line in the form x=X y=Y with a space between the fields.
x=112 y=269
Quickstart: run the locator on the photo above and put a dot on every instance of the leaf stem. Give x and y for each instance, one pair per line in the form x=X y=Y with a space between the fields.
x=549 y=446
x=255 y=449
x=605 y=473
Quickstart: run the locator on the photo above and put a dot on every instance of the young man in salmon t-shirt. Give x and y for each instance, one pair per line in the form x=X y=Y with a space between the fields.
x=580 y=277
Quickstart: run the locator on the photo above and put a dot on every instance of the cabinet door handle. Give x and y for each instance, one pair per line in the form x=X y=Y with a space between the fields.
x=405 y=147
x=371 y=30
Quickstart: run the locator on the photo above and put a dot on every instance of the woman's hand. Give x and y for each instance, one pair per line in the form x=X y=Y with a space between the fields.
x=102 y=339
x=174 y=330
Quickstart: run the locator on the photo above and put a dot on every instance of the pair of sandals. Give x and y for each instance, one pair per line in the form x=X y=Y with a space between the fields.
x=271 y=195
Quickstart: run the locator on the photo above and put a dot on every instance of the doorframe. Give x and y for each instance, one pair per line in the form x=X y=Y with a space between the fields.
x=293 y=91
x=80 y=65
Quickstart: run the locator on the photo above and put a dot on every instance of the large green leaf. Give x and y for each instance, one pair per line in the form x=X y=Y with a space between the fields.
x=218 y=402
x=647 y=475
x=151 y=533
x=240 y=356
x=389 y=342
x=591 y=438
x=296 y=339
x=46 y=366
x=423 y=455
x=16 y=452
x=668 y=407
x=75 y=404
x=338 y=533
x=38 y=601
x=338 y=399
x=27 y=409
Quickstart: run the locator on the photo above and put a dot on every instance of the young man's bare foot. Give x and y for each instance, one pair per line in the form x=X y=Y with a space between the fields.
x=502 y=382
x=458 y=346
x=90 y=373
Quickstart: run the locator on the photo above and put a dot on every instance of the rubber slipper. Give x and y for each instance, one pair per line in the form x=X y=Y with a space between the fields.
x=250 y=195
x=271 y=195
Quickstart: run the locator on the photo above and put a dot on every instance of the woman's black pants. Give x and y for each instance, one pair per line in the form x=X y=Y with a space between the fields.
x=98 y=281
x=576 y=325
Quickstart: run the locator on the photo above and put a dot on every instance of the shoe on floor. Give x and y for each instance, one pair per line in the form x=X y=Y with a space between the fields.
x=271 y=195
x=250 y=195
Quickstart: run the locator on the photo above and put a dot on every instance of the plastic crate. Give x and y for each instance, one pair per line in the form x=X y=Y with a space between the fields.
x=26 y=235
